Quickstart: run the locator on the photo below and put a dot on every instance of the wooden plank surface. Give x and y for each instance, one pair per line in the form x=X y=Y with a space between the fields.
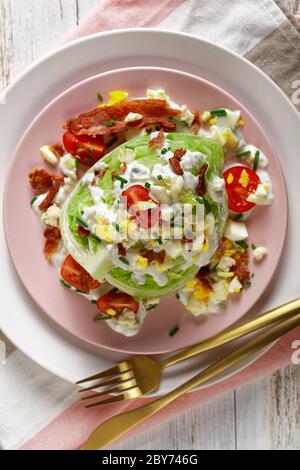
x=262 y=415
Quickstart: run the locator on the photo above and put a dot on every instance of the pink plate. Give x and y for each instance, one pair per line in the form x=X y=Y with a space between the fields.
x=25 y=239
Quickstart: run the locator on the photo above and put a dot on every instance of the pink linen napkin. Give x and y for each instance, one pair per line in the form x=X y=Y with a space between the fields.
x=270 y=29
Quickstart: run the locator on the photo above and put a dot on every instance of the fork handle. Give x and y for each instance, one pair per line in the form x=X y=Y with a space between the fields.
x=236 y=331
x=116 y=426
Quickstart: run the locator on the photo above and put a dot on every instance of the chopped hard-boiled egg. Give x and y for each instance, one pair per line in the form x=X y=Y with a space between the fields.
x=231 y=139
x=263 y=194
x=259 y=253
x=114 y=97
x=234 y=286
x=235 y=231
x=142 y=262
x=48 y=154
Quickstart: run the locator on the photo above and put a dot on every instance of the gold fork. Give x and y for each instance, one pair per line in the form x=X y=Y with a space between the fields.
x=141 y=375
x=116 y=426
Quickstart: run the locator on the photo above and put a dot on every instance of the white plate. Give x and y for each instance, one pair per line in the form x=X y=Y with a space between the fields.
x=27 y=327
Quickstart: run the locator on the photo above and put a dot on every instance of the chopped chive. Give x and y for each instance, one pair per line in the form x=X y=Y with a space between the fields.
x=159 y=241
x=165 y=150
x=95 y=237
x=124 y=260
x=33 y=200
x=253 y=274
x=109 y=123
x=256 y=160
x=245 y=153
x=99 y=97
x=112 y=142
x=177 y=296
x=147 y=185
x=159 y=177
x=67 y=286
x=93 y=301
x=129 y=146
x=89 y=160
x=151 y=307
x=116 y=226
x=113 y=290
x=174 y=331
x=81 y=222
x=218 y=112
x=207 y=205
x=199 y=199
x=253 y=246
x=122 y=180
x=242 y=244
x=238 y=217
x=247 y=283
x=76 y=163
x=214 y=268
x=99 y=318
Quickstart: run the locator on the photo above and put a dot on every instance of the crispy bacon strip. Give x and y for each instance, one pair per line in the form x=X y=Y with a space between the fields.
x=82 y=232
x=120 y=171
x=110 y=119
x=205 y=283
x=196 y=124
x=121 y=249
x=58 y=150
x=53 y=236
x=50 y=196
x=204 y=271
x=158 y=141
x=240 y=268
x=152 y=255
x=41 y=180
x=175 y=161
x=201 y=186
x=98 y=175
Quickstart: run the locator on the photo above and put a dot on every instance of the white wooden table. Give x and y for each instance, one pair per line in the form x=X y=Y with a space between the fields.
x=262 y=415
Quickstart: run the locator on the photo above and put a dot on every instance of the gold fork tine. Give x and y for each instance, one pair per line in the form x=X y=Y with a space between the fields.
x=132 y=393
x=117 y=379
x=122 y=367
x=119 y=388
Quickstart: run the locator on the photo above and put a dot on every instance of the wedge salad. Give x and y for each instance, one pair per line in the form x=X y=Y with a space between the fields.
x=148 y=199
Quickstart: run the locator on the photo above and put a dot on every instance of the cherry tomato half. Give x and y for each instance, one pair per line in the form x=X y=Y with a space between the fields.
x=76 y=276
x=88 y=149
x=135 y=193
x=118 y=301
x=240 y=181
x=144 y=218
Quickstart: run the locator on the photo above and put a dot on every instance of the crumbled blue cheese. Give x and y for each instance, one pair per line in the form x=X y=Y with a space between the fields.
x=51 y=216
x=192 y=160
x=131 y=117
x=68 y=166
x=136 y=171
